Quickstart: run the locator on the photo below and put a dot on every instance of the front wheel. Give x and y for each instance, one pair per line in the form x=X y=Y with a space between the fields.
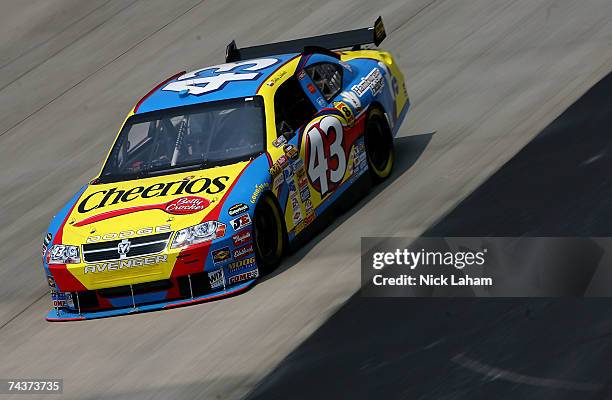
x=269 y=234
x=379 y=146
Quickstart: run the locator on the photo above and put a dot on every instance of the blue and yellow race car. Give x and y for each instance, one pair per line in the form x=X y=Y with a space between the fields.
x=217 y=172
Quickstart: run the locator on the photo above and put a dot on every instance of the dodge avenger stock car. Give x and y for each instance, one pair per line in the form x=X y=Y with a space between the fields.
x=215 y=173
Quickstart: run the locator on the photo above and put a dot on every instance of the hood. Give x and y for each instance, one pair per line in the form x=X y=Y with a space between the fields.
x=151 y=205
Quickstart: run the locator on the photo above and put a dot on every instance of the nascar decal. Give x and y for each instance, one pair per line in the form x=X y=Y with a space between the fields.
x=211 y=79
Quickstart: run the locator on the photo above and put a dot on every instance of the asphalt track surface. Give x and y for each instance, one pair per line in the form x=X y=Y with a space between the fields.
x=484 y=76
x=422 y=348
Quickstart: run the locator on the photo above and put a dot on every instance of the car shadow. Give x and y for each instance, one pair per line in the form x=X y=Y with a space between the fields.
x=408 y=150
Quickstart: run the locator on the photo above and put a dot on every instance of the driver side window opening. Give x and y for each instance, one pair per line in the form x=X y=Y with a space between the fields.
x=327 y=77
x=291 y=107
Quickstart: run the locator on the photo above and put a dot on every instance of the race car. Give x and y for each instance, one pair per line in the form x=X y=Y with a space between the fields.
x=216 y=173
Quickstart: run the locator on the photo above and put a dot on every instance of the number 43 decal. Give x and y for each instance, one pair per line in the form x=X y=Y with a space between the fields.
x=325 y=154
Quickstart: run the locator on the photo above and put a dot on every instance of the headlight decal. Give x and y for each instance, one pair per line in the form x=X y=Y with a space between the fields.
x=63 y=254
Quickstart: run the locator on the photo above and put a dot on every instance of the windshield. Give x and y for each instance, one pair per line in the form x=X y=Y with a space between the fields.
x=187 y=138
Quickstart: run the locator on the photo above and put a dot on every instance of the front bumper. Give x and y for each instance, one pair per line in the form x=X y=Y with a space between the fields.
x=67 y=314
x=189 y=275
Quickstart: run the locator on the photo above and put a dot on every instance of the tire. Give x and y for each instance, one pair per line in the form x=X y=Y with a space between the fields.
x=269 y=234
x=379 y=146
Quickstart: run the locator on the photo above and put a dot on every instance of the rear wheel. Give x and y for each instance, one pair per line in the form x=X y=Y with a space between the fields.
x=379 y=146
x=269 y=234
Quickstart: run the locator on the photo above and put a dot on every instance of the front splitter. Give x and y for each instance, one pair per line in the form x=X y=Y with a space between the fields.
x=61 y=315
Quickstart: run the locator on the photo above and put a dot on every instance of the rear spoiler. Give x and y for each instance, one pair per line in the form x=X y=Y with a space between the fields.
x=332 y=41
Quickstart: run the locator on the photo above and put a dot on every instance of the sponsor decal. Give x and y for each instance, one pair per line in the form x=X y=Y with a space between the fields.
x=275 y=80
x=374 y=82
x=294 y=202
x=395 y=85
x=305 y=194
x=288 y=173
x=124 y=264
x=259 y=188
x=241 y=264
x=279 y=141
x=61 y=299
x=290 y=151
x=128 y=233
x=216 y=278
x=346 y=112
x=301 y=75
x=303 y=181
x=243 y=252
x=186 y=205
x=352 y=99
x=241 y=222
x=298 y=164
x=311 y=88
x=211 y=79
x=221 y=255
x=278 y=180
x=238 y=208
x=103 y=198
x=307 y=221
x=291 y=186
x=46 y=241
x=278 y=166
x=50 y=281
x=301 y=173
x=241 y=238
x=220 y=232
x=244 y=277
x=297 y=216
x=321 y=102
x=308 y=206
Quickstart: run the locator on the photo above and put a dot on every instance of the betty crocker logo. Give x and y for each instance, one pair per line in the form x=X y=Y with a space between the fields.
x=181 y=206
x=186 y=205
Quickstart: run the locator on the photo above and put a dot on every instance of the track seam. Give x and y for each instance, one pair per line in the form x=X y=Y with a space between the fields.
x=101 y=68
x=36 y=46
x=63 y=48
x=14 y=317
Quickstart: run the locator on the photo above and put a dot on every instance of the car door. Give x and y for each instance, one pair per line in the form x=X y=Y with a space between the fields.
x=332 y=142
x=320 y=139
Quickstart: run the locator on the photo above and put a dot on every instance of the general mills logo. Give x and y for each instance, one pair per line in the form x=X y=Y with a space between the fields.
x=123 y=247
